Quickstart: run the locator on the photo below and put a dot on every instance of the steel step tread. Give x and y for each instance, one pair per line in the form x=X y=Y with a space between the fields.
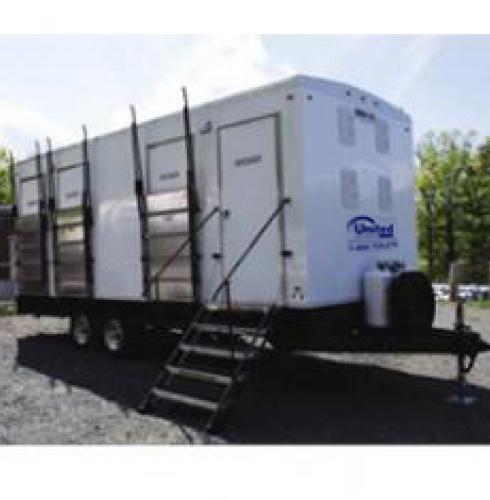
x=238 y=342
x=236 y=330
x=178 y=397
x=216 y=350
x=167 y=211
x=199 y=374
x=69 y=225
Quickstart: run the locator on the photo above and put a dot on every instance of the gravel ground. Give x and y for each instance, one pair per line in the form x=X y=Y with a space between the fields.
x=53 y=393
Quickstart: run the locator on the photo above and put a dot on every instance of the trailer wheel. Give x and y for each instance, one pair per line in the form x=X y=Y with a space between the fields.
x=118 y=335
x=81 y=330
x=115 y=335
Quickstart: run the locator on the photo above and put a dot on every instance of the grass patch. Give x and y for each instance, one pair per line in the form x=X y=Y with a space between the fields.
x=8 y=309
x=479 y=304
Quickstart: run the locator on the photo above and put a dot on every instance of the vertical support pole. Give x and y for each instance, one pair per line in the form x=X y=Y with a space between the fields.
x=228 y=295
x=139 y=189
x=87 y=216
x=461 y=396
x=192 y=199
x=453 y=280
x=228 y=308
x=51 y=181
x=459 y=326
x=51 y=209
x=43 y=223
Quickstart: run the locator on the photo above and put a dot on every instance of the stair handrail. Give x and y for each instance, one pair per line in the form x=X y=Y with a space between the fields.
x=180 y=249
x=204 y=308
x=224 y=283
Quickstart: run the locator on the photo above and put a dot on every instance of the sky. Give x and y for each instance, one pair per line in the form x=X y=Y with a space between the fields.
x=51 y=85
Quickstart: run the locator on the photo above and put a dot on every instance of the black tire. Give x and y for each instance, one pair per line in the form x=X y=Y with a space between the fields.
x=411 y=303
x=118 y=335
x=81 y=330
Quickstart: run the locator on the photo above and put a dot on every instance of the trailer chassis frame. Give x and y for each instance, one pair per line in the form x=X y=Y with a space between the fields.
x=336 y=329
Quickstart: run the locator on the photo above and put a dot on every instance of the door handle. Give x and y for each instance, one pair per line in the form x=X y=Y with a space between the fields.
x=226 y=213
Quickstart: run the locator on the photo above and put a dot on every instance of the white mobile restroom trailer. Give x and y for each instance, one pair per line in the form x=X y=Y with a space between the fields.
x=320 y=173
x=286 y=213
x=343 y=157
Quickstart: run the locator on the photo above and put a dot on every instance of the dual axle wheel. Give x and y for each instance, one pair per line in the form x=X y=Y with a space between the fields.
x=113 y=333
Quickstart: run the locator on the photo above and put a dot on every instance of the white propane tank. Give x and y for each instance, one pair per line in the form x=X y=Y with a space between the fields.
x=375 y=290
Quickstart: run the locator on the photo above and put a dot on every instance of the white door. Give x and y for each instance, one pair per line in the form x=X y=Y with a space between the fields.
x=168 y=221
x=249 y=196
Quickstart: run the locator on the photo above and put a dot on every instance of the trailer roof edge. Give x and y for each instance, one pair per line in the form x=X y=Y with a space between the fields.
x=327 y=86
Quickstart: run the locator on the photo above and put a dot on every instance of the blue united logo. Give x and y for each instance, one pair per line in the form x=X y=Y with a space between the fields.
x=366 y=233
x=362 y=224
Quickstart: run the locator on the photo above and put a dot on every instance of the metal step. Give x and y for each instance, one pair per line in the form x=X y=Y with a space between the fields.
x=218 y=352
x=69 y=225
x=199 y=375
x=177 y=397
x=225 y=329
x=168 y=211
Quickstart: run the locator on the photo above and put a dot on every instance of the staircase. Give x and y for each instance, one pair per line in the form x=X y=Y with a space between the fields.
x=211 y=360
x=216 y=350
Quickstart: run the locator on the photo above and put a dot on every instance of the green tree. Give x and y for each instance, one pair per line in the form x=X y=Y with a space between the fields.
x=427 y=181
x=5 y=194
x=442 y=161
x=453 y=205
x=475 y=204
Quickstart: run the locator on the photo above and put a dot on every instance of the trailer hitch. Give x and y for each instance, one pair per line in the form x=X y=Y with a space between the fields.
x=465 y=361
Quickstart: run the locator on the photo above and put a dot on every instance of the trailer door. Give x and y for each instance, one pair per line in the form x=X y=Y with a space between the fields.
x=249 y=195
x=168 y=219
